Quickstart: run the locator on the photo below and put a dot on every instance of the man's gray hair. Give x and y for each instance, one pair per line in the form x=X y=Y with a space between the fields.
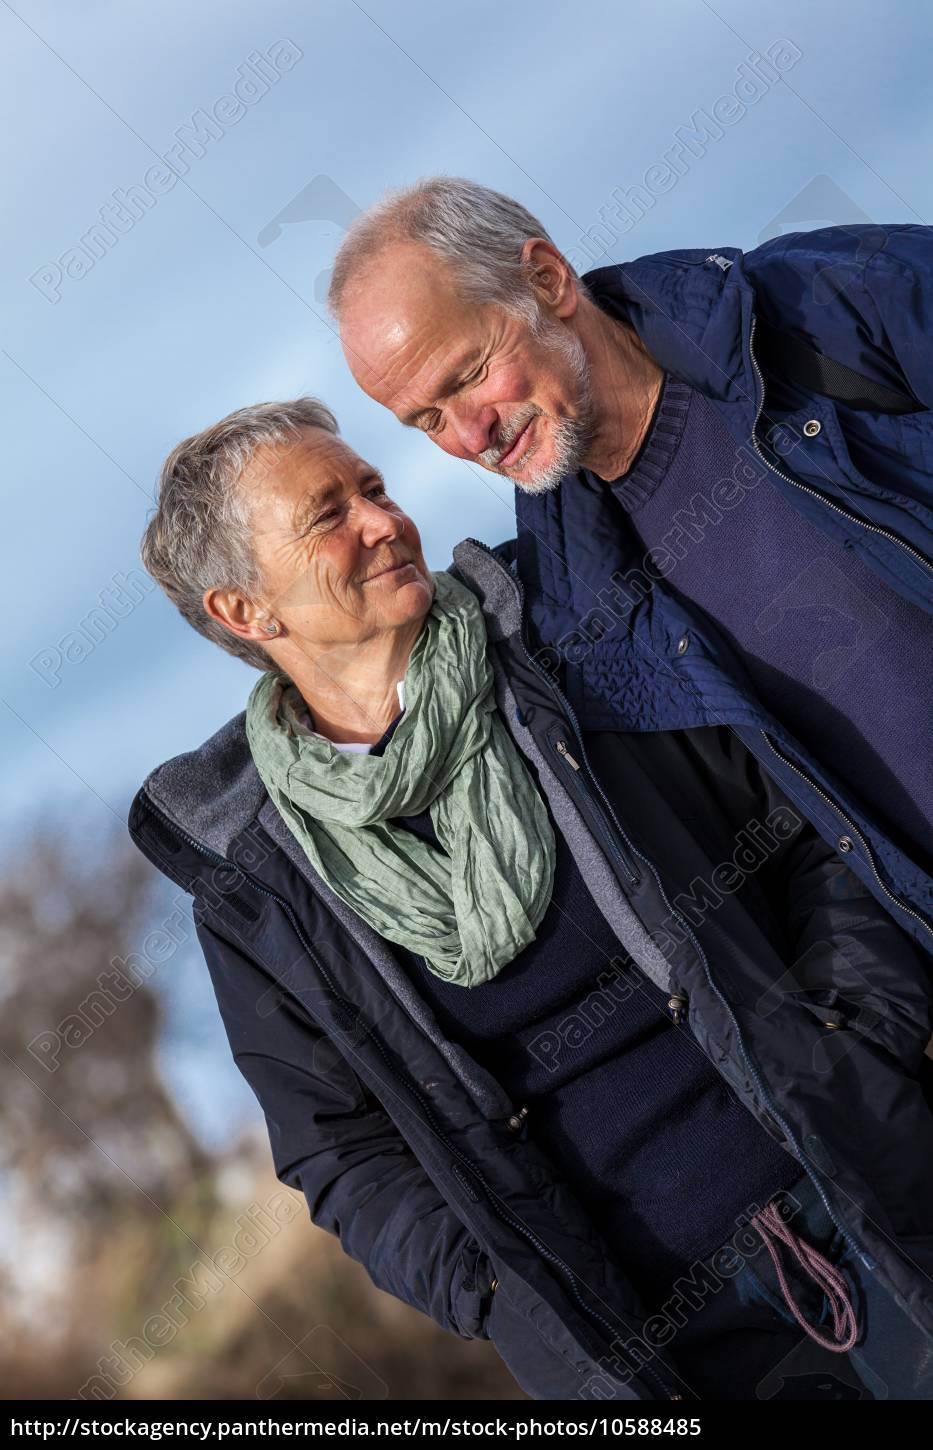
x=479 y=231
x=200 y=536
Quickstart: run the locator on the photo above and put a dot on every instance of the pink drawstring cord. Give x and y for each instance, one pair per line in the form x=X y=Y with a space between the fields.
x=774 y=1230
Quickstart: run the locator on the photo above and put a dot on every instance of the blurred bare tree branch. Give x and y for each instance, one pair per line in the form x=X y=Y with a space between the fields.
x=117 y=1216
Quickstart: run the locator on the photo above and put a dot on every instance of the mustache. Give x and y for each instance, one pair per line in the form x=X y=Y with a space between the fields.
x=507 y=435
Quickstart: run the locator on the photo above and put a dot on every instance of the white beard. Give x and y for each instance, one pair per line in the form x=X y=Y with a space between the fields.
x=571 y=436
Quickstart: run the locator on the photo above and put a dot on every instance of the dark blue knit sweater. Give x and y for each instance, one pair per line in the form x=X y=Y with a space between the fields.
x=808 y=618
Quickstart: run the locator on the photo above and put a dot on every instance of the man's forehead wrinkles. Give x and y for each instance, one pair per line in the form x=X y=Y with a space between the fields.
x=436 y=390
x=398 y=358
x=387 y=374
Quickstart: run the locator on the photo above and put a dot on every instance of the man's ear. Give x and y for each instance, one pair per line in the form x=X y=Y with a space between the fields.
x=551 y=277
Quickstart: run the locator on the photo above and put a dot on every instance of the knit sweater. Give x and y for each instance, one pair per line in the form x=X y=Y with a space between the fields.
x=810 y=620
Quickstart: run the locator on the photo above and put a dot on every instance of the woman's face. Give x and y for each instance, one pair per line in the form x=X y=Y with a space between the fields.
x=341 y=563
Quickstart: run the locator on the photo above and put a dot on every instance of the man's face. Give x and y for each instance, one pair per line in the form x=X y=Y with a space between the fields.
x=484 y=384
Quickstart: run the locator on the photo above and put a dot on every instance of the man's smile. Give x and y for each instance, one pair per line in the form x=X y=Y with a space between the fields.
x=516 y=452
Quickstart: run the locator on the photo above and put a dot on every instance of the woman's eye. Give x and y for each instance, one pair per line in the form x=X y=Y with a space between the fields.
x=325 y=520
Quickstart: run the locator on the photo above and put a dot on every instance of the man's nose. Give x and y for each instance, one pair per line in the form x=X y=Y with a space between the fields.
x=472 y=430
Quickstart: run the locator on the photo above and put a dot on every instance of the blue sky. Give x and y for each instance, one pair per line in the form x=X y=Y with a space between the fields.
x=198 y=307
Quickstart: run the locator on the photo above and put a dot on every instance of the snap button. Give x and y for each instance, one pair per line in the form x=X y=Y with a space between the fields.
x=494 y=1285
x=845 y=843
x=683 y=644
x=812 y=427
x=677 y=1005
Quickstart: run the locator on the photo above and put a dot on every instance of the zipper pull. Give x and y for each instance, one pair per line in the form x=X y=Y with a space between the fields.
x=677 y=1006
x=561 y=748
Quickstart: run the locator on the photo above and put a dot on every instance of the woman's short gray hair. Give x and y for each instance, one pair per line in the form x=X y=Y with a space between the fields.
x=479 y=231
x=200 y=536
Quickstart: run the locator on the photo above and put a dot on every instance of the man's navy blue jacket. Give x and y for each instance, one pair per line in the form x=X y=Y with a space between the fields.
x=643 y=657
x=413 y=1153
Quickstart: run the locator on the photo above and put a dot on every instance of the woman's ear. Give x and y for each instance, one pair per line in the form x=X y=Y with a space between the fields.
x=243 y=617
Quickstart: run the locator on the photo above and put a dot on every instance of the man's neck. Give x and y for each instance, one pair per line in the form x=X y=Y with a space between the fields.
x=625 y=382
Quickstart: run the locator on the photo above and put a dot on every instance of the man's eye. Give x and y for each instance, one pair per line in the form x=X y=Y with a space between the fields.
x=475 y=376
x=430 y=422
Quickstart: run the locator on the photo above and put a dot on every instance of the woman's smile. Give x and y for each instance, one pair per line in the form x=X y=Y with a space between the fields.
x=392 y=571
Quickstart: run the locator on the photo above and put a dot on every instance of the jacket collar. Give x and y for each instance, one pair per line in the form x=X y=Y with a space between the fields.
x=693 y=310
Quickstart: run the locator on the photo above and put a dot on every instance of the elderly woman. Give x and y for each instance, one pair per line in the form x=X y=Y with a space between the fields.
x=535 y=1101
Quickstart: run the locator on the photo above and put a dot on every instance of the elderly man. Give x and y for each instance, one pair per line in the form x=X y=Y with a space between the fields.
x=689 y=557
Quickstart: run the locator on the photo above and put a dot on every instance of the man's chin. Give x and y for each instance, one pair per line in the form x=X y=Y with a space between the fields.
x=546 y=483
x=537 y=477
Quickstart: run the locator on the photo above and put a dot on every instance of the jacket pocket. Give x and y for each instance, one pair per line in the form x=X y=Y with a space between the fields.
x=473 y=1295
x=536 y=1364
x=848 y=1019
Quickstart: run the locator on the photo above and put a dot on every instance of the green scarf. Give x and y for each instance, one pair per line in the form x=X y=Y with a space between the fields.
x=471 y=909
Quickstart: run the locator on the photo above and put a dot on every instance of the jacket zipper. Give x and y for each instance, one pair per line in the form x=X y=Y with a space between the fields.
x=627 y=866
x=750 y=1066
x=855 y=831
x=677 y=1003
x=606 y=813
x=470 y=1168
x=815 y=493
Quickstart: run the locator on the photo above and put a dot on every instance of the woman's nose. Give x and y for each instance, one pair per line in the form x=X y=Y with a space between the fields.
x=377 y=522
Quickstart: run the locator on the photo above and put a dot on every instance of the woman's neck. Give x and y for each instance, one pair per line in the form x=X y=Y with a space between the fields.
x=351 y=691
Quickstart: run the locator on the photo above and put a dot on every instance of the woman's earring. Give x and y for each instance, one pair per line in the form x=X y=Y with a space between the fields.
x=272 y=628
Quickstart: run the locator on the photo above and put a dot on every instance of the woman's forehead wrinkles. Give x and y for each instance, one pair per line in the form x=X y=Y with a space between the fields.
x=328 y=489
x=311 y=501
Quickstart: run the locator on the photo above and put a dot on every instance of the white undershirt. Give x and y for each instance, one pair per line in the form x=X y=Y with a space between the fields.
x=356 y=747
